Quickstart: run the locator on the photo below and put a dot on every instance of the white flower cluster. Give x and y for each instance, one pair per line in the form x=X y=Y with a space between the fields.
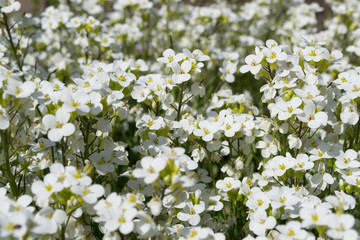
x=139 y=119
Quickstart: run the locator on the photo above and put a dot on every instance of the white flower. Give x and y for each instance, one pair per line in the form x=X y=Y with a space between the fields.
x=312 y=117
x=279 y=165
x=347 y=159
x=282 y=197
x=13 y=225
x=20 y=89
x=294 y=141
x=169 y=57
x=229 y=126
x=228 y=70
x=228 y=184
x=321 y=178
x=75 y=101
x=260 y=222
x=103 y=162
x=181 y=72
x=9 y=6
x=214 y=203
x=48 y=220
x=103 y=205
x=152 y=123
x=292 y=230
x=74 y=177
x=122 y=77
x=312 y=54
x=258 y=200
x=139 y=65
x=269 y=92
x=268 y=146
x=151 y=167
x=155 y=205
x=309 y=93
x=349 y=114
x=302 y=162
x=287 y=109
x=154 y=143
x=58 y=124
x=44 y=189
x=89 y=194
x=140 y=92
x=145 y=225
x=340 y=227
x=191 y=213
x=274 y=54
x=120 y=218
x=198 y=233
x=197 y=54
x=253 y=63
x=341 y=200
x=22 y=203
x=315 y=216
x=206 y=130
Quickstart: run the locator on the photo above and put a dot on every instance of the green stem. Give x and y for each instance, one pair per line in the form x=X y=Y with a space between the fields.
x=52 y=154
x=86 y=139
x=7 y=170
x=63 y=150
x=180 y=101
x=12 y=45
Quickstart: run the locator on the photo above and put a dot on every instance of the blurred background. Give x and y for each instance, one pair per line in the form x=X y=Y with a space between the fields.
x=33 y=6
x=37 y=6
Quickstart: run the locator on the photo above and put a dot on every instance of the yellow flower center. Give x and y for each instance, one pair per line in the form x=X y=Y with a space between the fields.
x=48 y=187
x=170 y=59
x=193 y=233
x=282 y=166
x=150 y=169
x=121 y=219
x=273 y=54
x=260 y=202
x=206 y=131
x=312 y=53
x=301 y=165
x=86 y=84
x=18 y=90
x=77 y=174
x=86 y=191
x=290 y=232
x=59 y=124
x=192 y=211
x=10 y=227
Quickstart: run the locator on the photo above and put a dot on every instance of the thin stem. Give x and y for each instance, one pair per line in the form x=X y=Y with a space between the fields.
x=63 y=150
x=180 y=101
x=86 y=139
x=7 y=171
x=12 y=45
